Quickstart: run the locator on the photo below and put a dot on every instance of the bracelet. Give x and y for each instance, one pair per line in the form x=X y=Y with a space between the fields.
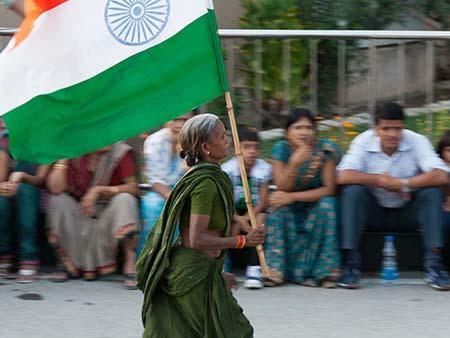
x=114 y=190
x=240 y=241
x=60 y=166
x=405 y=185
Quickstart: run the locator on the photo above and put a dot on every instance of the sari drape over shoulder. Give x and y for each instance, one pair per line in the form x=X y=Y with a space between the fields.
x=185 y=295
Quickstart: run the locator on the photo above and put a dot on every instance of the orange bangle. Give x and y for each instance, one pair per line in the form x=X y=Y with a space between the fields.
x=240 y=241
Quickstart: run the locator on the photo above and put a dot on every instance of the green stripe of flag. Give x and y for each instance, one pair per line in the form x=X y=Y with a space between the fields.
x=140 y=93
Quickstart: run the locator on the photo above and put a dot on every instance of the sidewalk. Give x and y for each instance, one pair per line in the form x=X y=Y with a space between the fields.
x=103 y=309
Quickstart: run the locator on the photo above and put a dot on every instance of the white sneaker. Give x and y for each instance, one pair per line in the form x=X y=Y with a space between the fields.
x=253 y=277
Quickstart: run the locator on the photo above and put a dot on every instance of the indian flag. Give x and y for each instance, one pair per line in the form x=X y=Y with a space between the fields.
x=82 y=74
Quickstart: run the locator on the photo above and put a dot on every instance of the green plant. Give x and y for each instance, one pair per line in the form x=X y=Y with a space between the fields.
x=269 y=14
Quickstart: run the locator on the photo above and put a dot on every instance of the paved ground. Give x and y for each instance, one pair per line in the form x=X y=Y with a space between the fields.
x=103 y=309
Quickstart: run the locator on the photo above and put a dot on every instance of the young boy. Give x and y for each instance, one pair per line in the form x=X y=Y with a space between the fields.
x=259 y=174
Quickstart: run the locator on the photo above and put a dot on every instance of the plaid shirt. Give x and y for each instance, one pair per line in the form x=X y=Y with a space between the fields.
x=260 y=174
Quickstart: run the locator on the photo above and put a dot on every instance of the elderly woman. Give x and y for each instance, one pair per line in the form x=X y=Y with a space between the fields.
x=93 y=207
x=163 y=168
x=186 y=295
x=301 y=240
x=19 y=206
x=444 y=152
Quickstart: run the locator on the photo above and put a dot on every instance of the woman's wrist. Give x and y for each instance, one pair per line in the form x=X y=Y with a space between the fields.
x=114 y=190
x=291 y=197
x=18 y=177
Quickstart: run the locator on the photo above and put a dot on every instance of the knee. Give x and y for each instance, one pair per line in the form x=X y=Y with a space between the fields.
x=277 y=214
x=58 y=202
x=26 y=191
x=4 y=202
x=126 y=199
x=329 y=202
x=354 y=191
x=432 y=194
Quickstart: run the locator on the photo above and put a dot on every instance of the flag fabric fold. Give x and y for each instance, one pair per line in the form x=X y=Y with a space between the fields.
x=89 y=73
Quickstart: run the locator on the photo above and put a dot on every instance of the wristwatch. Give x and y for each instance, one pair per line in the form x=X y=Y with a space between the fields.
x=405 y=186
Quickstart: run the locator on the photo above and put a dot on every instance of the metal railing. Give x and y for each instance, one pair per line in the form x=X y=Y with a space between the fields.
x=314 y=34
x=398 y=38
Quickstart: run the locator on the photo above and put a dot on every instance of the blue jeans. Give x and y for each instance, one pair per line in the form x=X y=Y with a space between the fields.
x=19 y=214
x=361 y=209
x=447 y=222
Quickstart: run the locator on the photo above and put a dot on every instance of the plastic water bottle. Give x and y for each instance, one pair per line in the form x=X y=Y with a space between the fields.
x=389 y=273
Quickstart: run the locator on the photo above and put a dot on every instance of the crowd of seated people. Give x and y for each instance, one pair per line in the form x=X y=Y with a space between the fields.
x=315 y=211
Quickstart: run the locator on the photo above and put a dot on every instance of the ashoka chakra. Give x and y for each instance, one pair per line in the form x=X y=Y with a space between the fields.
x=136 y=22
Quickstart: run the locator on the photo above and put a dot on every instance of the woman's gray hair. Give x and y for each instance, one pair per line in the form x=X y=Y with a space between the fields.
x=194 y=133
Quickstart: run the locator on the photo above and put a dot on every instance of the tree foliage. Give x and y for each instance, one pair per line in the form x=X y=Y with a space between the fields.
x=319 y=14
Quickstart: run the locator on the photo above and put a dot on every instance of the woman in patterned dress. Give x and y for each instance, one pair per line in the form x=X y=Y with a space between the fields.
x=301 y=239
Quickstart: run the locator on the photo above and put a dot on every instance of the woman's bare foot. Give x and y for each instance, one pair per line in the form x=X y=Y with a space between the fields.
x=310 y=283
x=129 y=267
x=5 y=270
x=60 y=275
x=328 y=284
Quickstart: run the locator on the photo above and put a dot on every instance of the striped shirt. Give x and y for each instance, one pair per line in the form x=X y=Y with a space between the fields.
x=415 y=155
x=161 y=165
x=260 y=174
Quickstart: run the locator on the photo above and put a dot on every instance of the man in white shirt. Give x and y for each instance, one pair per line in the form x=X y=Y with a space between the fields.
x=391 y=178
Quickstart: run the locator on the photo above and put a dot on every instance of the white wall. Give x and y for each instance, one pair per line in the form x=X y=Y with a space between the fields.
x=228 y=13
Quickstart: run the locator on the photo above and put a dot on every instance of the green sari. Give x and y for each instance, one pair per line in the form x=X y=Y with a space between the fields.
x=185 y=295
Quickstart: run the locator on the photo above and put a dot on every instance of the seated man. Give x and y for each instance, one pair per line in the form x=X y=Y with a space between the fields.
x=391 y=178
x=259 y=173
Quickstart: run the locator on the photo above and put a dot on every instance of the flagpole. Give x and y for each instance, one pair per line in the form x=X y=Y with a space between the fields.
x=270 y=275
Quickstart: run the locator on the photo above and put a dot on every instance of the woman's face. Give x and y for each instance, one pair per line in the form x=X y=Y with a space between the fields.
x=216 y=149
x=446 y=154
x=301 y=132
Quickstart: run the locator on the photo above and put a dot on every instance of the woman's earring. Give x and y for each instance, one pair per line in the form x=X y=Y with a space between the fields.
x=207 y=153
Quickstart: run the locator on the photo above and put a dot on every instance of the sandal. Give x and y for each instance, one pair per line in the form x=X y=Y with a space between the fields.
x=329 y=284
x=60 y=275
x=26 y=276
x=5 y=270
x=309 y=282
x=89 y=276
x=273 y=278
x=130 y=281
